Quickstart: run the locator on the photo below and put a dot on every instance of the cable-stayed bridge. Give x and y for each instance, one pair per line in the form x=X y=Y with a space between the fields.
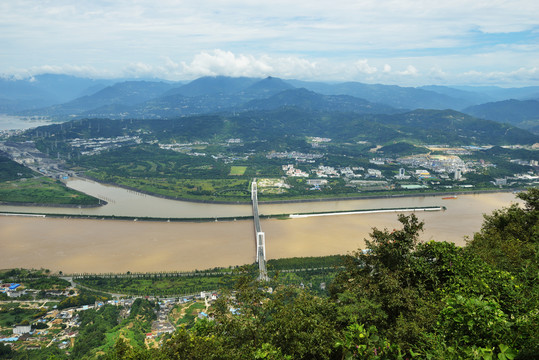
x=260 y=237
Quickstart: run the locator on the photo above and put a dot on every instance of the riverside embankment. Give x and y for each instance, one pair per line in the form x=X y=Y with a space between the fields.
x=75 y=245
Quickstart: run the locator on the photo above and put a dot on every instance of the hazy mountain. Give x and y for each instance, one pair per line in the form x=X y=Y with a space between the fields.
x=172 y=106
x=204 y=95
x=467 y=98
x=267 y=87
x=215 y=94
x=449 y=126
x=392 y=95
x=66 y=88
x=498 y=94
x=309 y=100
x=161 y=99
x=43 y=90
x=523 y=114
x=211 y=85
x=17 y=94
x=127 y=93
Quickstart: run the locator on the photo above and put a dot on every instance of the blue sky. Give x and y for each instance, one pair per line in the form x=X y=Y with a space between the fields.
x=405 y=42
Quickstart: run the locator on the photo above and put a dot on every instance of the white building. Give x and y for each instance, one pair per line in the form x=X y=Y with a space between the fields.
x=22 y=329
x=402 y=175
x=374 y=173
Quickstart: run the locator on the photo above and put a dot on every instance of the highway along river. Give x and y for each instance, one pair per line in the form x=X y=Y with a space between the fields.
x=98 y=246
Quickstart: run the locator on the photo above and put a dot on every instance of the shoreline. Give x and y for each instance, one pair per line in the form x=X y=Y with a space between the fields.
x=247 y=202
x=118 y=246
x=70 y=206
x=376 y=211
x=227 y=219
x=295 y=201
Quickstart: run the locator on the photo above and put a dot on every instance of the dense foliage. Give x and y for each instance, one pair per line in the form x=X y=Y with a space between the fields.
x=43 y=190
x=286 y=124
x=85 y=297
x=10 y=170
x=521 y=113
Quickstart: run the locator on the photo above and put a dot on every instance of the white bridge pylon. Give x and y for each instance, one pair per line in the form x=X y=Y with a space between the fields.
x=254 y=191
x=261 y=246
x=260 y=237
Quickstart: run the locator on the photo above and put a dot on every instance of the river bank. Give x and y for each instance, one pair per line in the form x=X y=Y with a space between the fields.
x=369 y=196
x=72 y=206
x=128 y=204
x=237 y=218
x=86 y=245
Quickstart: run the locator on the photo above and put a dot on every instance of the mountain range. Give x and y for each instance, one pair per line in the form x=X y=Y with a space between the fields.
x=66 y=97
x=520 y=113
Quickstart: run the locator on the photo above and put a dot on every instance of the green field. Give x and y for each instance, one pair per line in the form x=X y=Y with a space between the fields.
x=12 y=314
x=42 y=190
x=160 y=286
x=237 y=170
x=199 y=189
x=190 y=314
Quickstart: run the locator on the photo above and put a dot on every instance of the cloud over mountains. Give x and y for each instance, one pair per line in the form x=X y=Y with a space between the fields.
x=390 y=41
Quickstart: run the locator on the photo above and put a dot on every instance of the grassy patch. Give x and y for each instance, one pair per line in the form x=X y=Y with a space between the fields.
x=191 y=314
x=200 y=189
x=308 y=270
x=161 y=286
x=237 y=170
x=12 y=314
x=43 y=190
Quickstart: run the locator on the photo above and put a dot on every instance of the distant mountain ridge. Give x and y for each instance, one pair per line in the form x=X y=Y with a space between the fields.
x=312 y=101
x=125 y=93
x=212 y=85
x=205 y=95
x=44 y=90
x=57 y=96
x=392 y=95
x=520 y=113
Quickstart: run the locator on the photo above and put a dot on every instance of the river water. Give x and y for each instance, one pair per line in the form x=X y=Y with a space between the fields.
x=8 y=122
x=99 y=246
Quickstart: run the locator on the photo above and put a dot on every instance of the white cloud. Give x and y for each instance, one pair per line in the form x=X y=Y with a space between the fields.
x=410 y=70
x=299 y=39
x=364 y=67
x=68 y=69
x=219 y=62
x=500 y=77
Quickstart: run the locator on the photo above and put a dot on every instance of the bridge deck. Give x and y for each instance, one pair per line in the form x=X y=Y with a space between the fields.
x=260 y=241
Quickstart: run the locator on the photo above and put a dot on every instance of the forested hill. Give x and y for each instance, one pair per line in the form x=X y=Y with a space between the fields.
x=521 y=113
x=425 y=126
x=311 y=101
x=64 y=98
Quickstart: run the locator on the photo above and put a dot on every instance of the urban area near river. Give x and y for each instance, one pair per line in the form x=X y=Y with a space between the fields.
x=316 y=173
